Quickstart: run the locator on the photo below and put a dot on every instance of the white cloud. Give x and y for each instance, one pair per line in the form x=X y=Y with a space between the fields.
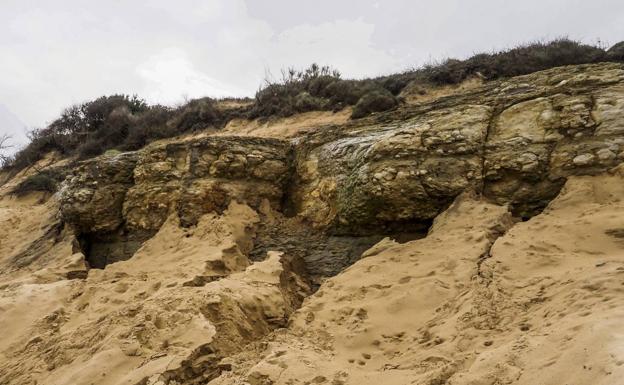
x=56 y=53
x=344 y=44
x=16 y=130
x=170 y=76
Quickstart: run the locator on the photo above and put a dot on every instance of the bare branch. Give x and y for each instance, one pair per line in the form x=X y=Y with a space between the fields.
x=5 y=160
x=3 y=141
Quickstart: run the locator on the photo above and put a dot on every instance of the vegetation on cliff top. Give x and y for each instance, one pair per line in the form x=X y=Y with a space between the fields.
x=128 y=123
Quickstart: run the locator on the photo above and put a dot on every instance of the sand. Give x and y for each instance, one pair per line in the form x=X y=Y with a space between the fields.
x=481 y=300
x=286 y=127
x=484 y=299
x=184 y=292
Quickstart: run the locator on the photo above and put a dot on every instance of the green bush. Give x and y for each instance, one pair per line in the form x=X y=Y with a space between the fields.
x=344 y=92
x=333 y=93
x=153 y=124
x=298 y=91
x=306 y=102
x=616 y=52
x=376 y=100
x=128 y=123
x=43 y=181
x=521 y=60
x=114 y=122
x=197 y=114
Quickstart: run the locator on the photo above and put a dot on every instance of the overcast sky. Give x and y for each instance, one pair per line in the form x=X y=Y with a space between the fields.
x=58 y=52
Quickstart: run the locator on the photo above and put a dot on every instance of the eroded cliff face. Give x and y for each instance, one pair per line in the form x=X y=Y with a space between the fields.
x=480 y=300
x=115 y=203
x=183 y=262
x=516 y=141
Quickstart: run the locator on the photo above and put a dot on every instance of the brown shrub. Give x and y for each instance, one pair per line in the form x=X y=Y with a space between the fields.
x=44 y=181
x=373 y=101
x=128 y=123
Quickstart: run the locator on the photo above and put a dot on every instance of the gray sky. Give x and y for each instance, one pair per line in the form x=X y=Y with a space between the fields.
x=58 y=52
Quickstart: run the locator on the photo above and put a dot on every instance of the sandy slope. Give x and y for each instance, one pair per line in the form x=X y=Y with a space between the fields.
x=543 y=305
x=187 y=298
x=286 y=127
x=482 y=300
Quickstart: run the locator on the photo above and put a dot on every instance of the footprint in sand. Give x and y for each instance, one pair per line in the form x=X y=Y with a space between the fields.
x=405 y=279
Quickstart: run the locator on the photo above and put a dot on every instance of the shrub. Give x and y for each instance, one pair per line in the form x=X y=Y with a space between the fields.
x=298 y=91
x=306 y=102
x=87 y=129
x=44 y=181
x=521 y=60
x=344 y=92
x=151 y=125
x=376 y=100
x=42 y=141
x=128 y=123
x=5 y=160
x=616 y=52
x=333 y=93
x=116 y=121
x=396 y=83
x=197 y=114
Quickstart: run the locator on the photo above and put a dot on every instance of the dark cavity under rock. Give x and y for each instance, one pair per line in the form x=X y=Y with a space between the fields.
x=325 y=255
x=101 y=249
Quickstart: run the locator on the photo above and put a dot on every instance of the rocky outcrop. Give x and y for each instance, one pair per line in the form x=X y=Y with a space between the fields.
x=203 y=176
x=140 y=189
x=516 y=141
x=117 y=202
x=93 y=196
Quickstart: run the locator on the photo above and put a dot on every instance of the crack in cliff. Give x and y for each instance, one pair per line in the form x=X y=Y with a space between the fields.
x=486 y=136
x=494 y=233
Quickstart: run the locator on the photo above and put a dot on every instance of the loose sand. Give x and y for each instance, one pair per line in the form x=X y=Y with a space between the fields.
x=483 y=299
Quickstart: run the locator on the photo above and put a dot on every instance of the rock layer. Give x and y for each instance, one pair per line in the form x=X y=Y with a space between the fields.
x=515 y=140
x=117 y=202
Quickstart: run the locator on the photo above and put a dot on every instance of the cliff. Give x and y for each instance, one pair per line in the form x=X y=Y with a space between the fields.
x=458 y=239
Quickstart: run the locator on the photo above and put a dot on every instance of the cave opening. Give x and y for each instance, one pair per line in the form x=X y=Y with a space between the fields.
x=103 y=248
x=326 y=253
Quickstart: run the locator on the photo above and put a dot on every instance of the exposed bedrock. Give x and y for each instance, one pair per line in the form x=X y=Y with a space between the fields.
x=116 y=202
x=515 y=141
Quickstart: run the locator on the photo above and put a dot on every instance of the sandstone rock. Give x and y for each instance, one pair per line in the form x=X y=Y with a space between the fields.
x=138 y=190
x=583 y=160
x=515 y=140
x=93 y=195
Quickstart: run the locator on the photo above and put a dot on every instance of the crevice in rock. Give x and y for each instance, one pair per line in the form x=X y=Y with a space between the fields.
x=486 y=137
x=325 y=254
x=494 y=233
x=103 y=248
